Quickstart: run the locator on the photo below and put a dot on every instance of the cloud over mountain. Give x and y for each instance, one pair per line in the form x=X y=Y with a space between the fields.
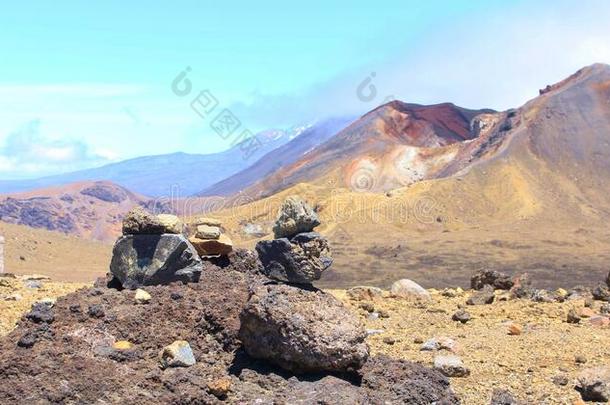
x=27 y=150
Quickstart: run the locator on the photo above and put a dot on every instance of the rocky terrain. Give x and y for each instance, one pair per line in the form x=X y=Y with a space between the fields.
x=523 y=346
x=174 y=326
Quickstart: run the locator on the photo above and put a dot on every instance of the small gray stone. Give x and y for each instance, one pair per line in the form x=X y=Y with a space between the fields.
x=461 y=316
x=483 y=297
x=502 y=397
x=439 y=343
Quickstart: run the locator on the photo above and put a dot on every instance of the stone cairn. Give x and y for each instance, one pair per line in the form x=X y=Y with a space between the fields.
x=154 y=249
x=289 y=322
x=286 y=320
x=208 y=239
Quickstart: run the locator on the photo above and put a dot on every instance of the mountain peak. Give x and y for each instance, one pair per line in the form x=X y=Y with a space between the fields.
x=595 y=72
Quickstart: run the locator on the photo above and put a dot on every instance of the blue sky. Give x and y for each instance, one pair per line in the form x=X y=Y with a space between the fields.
x=84 y=85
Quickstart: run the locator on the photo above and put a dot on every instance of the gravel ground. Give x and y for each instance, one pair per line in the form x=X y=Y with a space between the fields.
x=525 y=364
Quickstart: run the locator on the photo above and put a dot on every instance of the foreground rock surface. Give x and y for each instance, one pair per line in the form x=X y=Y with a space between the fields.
x=141 y=260
x=115 y=358
x=302 y=330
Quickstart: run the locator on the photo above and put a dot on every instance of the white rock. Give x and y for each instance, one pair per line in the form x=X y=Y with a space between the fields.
x=50 y=302
x=142 y=297
x=406 y=288
x=13 y=297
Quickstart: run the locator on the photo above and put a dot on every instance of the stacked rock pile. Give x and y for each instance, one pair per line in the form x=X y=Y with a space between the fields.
x=297 y=254
x=208 y=238
x=154 y=250
x=289 y=322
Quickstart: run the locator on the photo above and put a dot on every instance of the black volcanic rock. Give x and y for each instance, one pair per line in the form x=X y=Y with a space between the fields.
x=139 y=260
x=300 y=260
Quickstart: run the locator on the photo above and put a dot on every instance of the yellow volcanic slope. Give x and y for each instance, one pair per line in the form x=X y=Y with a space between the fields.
x=531 y=196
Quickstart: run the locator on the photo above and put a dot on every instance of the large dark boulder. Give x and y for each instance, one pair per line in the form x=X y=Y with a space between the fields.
x=139 y=260
x=302 y=330
x=300 y=260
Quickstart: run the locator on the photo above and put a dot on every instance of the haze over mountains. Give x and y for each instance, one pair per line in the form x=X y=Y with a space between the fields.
x=155 y=176
x=527 y=187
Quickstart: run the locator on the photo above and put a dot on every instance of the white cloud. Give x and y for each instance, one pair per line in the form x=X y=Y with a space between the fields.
x=497 y=59
x=27 y=151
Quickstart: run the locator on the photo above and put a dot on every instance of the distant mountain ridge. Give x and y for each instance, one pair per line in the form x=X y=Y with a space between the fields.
x=164 y=175
x=391 y=146
x=278 y=158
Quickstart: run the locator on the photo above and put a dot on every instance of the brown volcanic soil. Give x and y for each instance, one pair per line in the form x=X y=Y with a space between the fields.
x=524 y=364
x=61 y=257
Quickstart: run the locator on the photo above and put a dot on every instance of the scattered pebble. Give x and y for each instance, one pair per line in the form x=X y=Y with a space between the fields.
x=220 y=387
x=561 y=380
x=599 y=321
x=142 y=297
x=461 y=316
x=178 y=354
x=439 y=343
x=514 y=329
x=580 y=359
x=33 y=284
x=389 y=340
x=96 y=311
x=502 y=397
x=122 y=345
x=573 y=316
